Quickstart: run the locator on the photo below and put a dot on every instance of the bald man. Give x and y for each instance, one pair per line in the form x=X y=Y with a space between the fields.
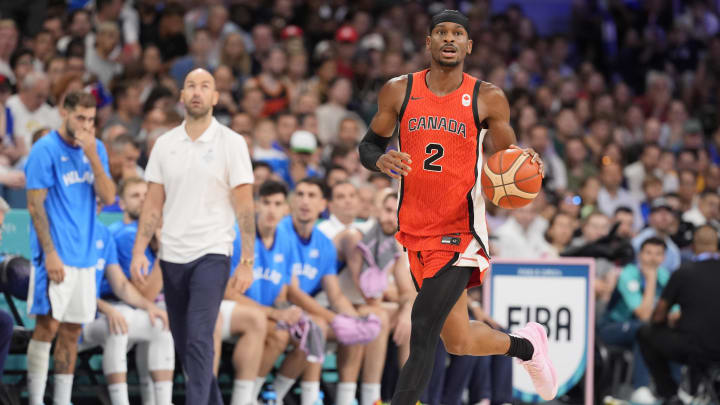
x=199 y=183
x=696 y=335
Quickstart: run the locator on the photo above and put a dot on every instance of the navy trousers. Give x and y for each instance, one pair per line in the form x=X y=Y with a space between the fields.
x=193 y=293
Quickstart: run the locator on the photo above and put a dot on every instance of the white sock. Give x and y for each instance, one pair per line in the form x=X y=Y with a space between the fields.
x=119 y=394
x=163 y=392
x=242 y=392
x=309 y=392
x=282 y=385
x=63 y=389
x=147 y=389
x=258 y=386
x=38 y=362
x=345 y=393
x=369 y=393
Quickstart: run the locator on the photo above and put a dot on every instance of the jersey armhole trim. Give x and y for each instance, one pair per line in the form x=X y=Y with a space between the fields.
x=476 y=115
x=408 y=90
x=478 y=127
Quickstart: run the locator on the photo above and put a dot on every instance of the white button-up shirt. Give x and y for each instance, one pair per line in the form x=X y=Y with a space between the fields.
x=198 y=177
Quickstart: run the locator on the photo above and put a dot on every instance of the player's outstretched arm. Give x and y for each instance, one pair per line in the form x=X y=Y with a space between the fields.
x=373 y=146
x=497 y=114
x=126 y=291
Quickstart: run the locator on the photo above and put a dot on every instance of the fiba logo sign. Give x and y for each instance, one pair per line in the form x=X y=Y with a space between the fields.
x=466 y=100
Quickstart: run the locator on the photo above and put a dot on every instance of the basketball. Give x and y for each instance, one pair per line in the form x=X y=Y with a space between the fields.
x=511 y=180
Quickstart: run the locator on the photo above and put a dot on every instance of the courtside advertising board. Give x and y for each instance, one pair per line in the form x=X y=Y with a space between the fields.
x=557 y=294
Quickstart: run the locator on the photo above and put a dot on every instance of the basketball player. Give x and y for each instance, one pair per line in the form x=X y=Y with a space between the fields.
x=443 y=116
x=155 y=382
x=66 y=171
x=258 y=342
x=127 y=318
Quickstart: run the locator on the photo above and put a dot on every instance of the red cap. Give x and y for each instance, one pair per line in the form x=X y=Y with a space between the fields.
x=346 y=33
x=291 y=31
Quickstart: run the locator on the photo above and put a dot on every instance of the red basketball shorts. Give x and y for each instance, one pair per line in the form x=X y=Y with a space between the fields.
x=431 y=263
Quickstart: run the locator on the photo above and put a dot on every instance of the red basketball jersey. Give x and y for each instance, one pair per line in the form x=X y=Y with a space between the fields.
x=441 y=198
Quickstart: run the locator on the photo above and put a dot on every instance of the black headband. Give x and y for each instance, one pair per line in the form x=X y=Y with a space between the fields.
x=449 y=16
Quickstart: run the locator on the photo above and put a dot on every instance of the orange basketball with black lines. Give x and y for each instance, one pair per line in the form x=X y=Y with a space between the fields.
x=510 y=179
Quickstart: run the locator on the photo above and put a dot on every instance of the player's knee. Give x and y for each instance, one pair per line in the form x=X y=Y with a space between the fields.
x=69 y=332
x=255 y=322
x=277 y=338
x=46 y=328
x=161 y=355
x=114 y=354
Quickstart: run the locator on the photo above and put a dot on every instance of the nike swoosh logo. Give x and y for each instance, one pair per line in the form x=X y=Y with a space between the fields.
x=415 y=98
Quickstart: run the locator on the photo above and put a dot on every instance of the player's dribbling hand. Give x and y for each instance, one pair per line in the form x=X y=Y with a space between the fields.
x=139 y=268
x=394 y=164
x=116 y=322
x=242 y=278
x=155 y=312
x=535 y=157
x=54 y=267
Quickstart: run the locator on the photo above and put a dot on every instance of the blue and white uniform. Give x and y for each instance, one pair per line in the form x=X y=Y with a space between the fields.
x=155 y=344
x=271 y=272
x=65 y=172
x=314 y=258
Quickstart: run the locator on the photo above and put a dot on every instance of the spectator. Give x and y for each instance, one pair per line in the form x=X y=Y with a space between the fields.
x=707 y=211
x=559 y=233
x=99 y=59
x=79 y=27
x=21 y=63
x=625 y=219
x=8 y=42
x=578 y=166
x=302 y=147
x=126 y=106
x=636 y=173
x=271 y=82
x=692 y=340
x=612 y=195
x=521 y=236
x=43 y=49
x=343 y=205
x=30 y=111
x=331 y=113
x=234 y=55
x=198 y=57
x=687 y=189
x=555 y=173
x=123 y=154
x=660 y=225
x=638 y=288
x=652 y=189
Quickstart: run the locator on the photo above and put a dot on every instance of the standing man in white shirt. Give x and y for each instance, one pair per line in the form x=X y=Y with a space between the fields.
x=200 y=181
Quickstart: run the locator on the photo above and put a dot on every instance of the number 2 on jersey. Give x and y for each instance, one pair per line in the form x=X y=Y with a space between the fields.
x=436 y=152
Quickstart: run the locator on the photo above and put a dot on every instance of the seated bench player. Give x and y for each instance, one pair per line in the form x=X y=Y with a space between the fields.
x=126 y=317
x=315 y=289
x=131 y=202
x=250 y=320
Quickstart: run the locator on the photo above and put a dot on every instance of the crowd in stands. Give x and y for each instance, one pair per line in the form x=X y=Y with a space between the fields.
x=623 y=104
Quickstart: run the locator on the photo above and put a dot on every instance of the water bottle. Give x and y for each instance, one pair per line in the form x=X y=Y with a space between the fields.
x=320 y=398
x=269 y=397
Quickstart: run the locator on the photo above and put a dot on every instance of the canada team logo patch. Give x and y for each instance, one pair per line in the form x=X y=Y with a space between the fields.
x=465 y=99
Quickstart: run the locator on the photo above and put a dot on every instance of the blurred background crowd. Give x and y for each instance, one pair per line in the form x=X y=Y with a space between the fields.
x=621 y=99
